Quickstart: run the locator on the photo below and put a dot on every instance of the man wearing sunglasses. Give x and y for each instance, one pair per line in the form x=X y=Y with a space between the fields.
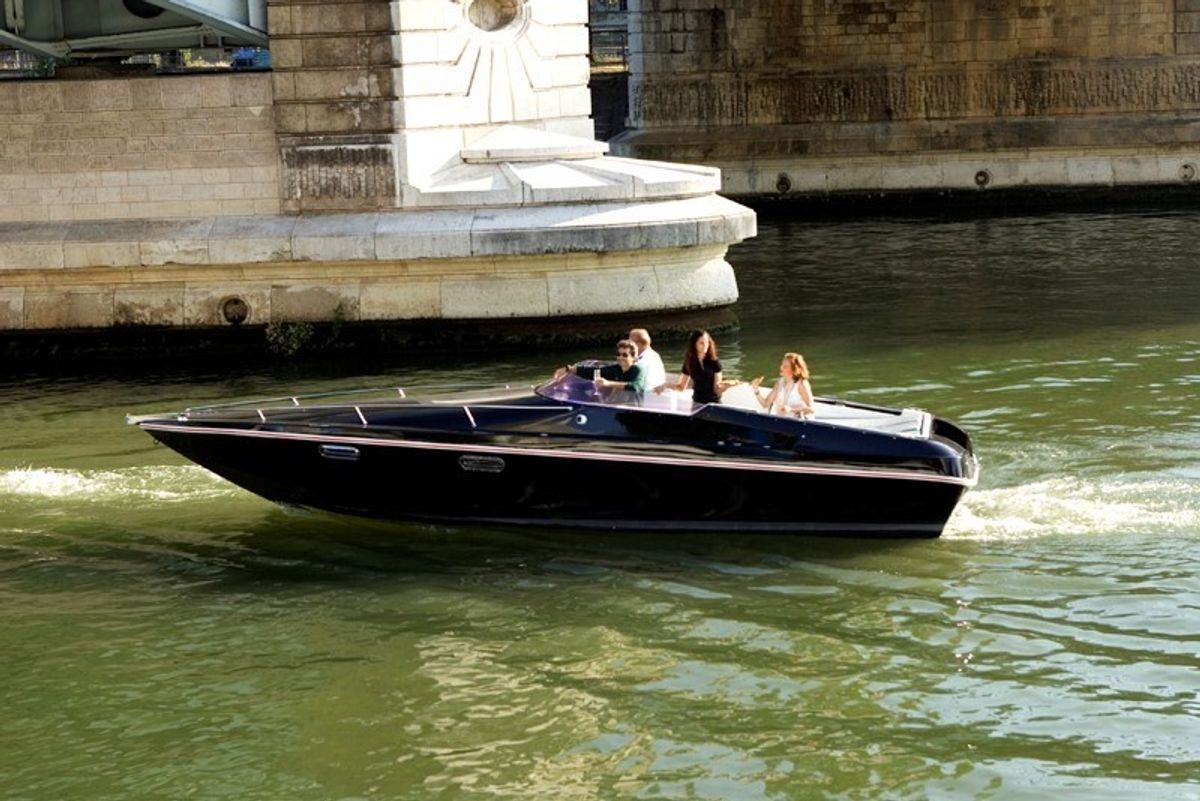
x=626 y=374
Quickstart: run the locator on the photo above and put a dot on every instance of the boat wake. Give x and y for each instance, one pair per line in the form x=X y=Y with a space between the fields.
x=160 y=483
x=1077 y=506
x=1058 y=506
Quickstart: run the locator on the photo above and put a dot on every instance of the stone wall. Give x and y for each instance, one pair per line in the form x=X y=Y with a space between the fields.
x=807 y=34
x=813 y=96
x=164 y=146
x=374 y=96
x=402 y=265
x=730 y=62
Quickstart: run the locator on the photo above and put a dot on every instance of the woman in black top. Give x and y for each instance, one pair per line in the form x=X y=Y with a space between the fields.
x=703 y=369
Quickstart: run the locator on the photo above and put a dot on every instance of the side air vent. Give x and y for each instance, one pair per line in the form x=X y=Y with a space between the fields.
x=342 y=453
x=481 y=464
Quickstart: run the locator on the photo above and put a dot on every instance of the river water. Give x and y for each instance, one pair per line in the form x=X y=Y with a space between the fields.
x=164 y=635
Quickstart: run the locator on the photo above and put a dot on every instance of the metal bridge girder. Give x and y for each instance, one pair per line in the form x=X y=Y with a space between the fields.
x=95 y=28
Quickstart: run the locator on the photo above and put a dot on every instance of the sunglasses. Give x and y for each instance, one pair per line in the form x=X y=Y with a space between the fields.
x=624 y=353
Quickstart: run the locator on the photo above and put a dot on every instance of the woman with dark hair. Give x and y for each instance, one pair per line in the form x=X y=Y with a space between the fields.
x=702 y=369
x=792 y=394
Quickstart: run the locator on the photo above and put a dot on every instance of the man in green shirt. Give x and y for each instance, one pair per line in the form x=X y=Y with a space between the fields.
x=626 y=374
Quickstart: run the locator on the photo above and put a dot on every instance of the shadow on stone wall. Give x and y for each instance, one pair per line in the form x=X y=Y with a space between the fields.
x=82 y=350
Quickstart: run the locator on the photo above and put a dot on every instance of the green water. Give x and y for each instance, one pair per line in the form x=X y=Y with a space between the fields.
x=164 y=635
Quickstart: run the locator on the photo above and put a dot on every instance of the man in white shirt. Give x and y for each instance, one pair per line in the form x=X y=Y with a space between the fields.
x=648 y=359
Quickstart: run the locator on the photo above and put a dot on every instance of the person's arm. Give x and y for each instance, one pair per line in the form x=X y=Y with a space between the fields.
x=770 y=399
x=684 y=380
x=720 y=384
x=805 y=395
x=635 y=381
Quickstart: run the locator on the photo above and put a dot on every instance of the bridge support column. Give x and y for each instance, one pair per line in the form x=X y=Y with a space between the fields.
x=435 y=163
x=335 y=86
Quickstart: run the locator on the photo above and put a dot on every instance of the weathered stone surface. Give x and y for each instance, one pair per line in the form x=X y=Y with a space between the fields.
x=485 y=297
x=1017 y=89
x=424 y=235
x=157 y=305
x=413 y=299
x=309 y=302
x=100 y=254
x=377 y=237
x=12 y=308
x=251 y=239
x=554 y=230
x=343 y=237
x=961 y=171
x=765 y=87
x=175 y=242
x=338 y=175
x=74 y=307
x=472 y=288
x=691 y=285
x=602 y=291
x=23 y=256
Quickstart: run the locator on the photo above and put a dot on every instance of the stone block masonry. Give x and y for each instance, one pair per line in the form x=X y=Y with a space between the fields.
x=170 y=146
x=423 y=160
x=820 y=96
x=373 y=267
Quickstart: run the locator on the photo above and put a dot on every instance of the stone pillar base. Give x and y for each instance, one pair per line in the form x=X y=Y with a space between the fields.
x=558 y=262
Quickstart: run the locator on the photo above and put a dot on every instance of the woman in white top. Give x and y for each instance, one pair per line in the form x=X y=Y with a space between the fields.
x=792 y=394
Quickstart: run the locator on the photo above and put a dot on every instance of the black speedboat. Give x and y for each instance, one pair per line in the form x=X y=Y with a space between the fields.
x=567 y=454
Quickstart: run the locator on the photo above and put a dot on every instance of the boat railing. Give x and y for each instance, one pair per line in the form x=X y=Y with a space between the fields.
x=380 y=396
x=386 y=394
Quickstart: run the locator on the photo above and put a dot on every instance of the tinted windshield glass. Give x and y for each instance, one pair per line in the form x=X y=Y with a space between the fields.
x=570 y=388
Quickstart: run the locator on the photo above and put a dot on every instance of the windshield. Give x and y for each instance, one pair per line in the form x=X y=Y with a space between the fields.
x=570 y=388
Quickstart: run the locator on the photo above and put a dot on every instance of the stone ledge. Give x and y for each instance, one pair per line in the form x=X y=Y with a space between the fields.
x=373 y=237
x=716 y=145
x=546 y=286
x=540 y=182
x=962 y=172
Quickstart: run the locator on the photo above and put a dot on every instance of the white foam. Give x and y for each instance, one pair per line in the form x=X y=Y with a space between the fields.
x=157 y=483
x=1078 y=506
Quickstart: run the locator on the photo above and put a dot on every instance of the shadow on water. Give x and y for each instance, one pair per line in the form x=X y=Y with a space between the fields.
x=248 y=545
x=394 y=547
x=298 y=546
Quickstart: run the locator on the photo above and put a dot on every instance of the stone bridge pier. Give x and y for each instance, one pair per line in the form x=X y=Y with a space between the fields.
x=829 y=97
x=421 y=163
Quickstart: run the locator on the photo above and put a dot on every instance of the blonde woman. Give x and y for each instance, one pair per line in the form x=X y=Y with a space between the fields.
x=792 y=394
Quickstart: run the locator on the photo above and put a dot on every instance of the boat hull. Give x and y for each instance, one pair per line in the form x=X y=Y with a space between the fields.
x=504 y=481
